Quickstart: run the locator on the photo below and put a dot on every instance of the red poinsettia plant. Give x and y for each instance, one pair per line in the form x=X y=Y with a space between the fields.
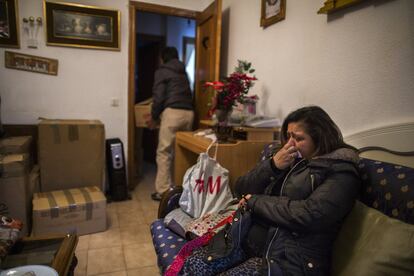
x=233 y=88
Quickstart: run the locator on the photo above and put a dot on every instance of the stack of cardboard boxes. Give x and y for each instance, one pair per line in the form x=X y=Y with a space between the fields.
x=68 y=198
x=19 y=178
x=71 y=159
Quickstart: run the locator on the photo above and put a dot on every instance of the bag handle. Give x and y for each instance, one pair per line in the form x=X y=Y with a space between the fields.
x=214 y=142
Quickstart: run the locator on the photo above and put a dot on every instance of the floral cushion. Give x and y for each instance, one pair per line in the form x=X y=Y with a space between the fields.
x=388 y=188
x=167 y=243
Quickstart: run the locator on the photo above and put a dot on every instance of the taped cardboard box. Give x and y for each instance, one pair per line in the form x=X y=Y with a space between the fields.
x=81 y=211
x=71 y=154
x=34 y=184
x=142 y=112
x=14 y=165
x=14 y=193
x=16 y=144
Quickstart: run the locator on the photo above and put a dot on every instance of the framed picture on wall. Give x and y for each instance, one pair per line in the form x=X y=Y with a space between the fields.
x=272 y=11
x=9 y=24
x=30 y=63
x=74 y=25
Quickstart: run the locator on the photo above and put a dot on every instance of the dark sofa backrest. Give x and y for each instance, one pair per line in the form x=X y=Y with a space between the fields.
x=389 y=188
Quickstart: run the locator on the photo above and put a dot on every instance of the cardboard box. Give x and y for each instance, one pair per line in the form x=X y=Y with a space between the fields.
x=14 y=165
x=14 y=193
x=34 y=183
x=71 y=154
x=81 y=211
x=142 y=111
x=17 y=144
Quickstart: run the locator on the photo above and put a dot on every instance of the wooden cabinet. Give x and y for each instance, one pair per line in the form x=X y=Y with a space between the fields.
x=238 y=157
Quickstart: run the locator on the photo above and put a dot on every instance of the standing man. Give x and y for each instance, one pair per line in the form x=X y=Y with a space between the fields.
x=173 y=107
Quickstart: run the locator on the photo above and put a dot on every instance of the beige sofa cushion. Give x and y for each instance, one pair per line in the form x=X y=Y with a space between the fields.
x=370 y=243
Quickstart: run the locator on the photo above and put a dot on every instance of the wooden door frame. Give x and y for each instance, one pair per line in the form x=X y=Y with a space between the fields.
x=133 y=8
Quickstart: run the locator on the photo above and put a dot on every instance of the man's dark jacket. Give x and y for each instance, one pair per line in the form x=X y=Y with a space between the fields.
x=171 y=88
x=298 y=212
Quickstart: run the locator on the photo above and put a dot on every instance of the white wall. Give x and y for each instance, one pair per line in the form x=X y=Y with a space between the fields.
x=87 y=79
x=358 y=65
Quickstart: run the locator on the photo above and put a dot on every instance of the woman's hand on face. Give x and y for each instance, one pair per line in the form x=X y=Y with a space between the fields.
x=285 y=156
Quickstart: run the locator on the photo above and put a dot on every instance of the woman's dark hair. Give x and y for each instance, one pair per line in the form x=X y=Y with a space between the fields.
x=169 y=53
x=319 y=126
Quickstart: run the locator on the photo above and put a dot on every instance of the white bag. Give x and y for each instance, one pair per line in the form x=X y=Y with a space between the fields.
x=205 y=187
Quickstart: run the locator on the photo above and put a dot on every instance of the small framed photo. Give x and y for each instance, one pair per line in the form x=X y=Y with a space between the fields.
x=272 y=11
x=9 y=24
x=30 y=63
x=74 y=25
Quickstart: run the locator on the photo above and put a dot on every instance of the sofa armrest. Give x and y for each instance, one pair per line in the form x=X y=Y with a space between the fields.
x=169 y=201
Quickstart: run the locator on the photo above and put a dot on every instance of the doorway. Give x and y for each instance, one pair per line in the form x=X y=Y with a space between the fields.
x=207 y=62
x=153 y=32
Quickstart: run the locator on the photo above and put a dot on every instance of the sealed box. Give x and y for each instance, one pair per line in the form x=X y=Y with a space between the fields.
x=15 y=195
x=16 y=144
x=81 y=211
x=71 y=154
x=34 y=183
x=142 y=112
x=17 y=184
x=14 y=165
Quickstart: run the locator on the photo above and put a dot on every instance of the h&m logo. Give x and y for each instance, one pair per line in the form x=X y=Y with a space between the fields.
x=201 y=186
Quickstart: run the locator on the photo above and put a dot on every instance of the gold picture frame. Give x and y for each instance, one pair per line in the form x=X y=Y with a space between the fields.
x=75 y=25
x=19 y=61
x=272 y=11
x=9 y=24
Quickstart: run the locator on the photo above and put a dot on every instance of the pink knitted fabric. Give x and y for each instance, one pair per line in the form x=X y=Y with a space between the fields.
x=189 y=247
x=186 y=251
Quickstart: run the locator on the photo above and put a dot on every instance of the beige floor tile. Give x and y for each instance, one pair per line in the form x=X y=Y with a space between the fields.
x=105 y=260
x=135 y=234
x=139 y=255
x=82 y=256
x=127 y=206
x=149 y=205
x=145 y=271
x=150 y=216
x=131 y=217
x=109 y=238
x=83 y=243
x=112 y=219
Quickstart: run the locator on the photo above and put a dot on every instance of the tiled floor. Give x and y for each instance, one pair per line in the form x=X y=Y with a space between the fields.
x=125 y=249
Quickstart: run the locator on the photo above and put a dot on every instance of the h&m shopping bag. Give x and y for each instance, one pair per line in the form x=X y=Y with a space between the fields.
x=205 y=187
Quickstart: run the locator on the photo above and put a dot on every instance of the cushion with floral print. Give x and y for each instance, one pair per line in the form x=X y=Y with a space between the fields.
x=388 y=188
x=167 y=244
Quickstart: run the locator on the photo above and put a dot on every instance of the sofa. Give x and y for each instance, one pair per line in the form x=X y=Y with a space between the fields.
x=376 y=237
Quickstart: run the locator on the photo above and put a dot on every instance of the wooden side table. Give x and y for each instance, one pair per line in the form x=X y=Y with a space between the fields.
x=57 y=252
x=250 y=133
x=238 y=157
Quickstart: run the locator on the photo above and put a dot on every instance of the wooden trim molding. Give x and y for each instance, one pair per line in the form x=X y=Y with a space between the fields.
x=331 y=6
x=147 y=7
x=131 y=97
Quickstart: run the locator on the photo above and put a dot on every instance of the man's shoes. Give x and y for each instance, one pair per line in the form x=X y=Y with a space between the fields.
x=156 y=196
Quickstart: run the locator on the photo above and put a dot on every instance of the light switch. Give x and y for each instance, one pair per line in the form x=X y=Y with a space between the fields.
x=114 y=102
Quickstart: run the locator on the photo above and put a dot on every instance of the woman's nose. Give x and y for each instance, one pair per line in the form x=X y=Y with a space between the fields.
x=292 y=141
